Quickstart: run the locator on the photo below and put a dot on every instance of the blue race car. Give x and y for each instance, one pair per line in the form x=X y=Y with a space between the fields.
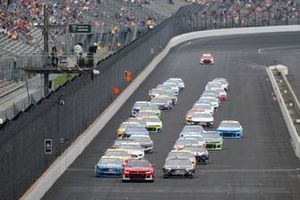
x=230 y=129
x=109 y=166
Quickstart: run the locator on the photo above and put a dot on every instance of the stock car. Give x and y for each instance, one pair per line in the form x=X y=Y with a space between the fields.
x=178 y=167
x=152 y=108
x=123 y=126
x=179 y=82
x=207 y=58
x=139 y=121
x=137 y=106
x=230 y=129
x=201 y=154
x=213 y=140
x=145 y=141
x=153 y=124
x=163 y=102
x=191 y=130
x=172 y=88
x=109 y=166
x=135 y=130
x=222 y=94
x=201 y=118
x=117 y=153
x=138 y=170
x=188 y=141
x=134 y=149
x=119 y=141
x=160 y=92
x=223 y=81
x=213 y=100
x=173 y=85
x=182 y=154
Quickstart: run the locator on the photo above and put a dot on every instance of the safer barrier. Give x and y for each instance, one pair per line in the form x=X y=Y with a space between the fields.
x=287 y=118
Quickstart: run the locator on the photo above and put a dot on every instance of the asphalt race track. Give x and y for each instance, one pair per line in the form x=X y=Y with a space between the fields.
x=261 y=165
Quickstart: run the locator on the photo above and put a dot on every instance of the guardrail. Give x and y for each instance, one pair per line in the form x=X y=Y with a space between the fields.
x=284 y=110
x=59 y=166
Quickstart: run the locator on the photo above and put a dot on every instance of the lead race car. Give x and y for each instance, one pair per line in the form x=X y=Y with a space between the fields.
x=207 y=58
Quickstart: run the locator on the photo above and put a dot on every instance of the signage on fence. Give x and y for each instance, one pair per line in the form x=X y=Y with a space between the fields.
x=80 y=28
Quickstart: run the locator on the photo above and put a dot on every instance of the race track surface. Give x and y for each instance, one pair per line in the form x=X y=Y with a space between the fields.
x=261 y=165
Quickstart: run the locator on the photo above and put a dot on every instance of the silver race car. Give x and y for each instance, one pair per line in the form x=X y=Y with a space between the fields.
x=178 y=167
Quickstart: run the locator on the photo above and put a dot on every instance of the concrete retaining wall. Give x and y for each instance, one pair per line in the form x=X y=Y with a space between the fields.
x=41 y=186
x=287 y=118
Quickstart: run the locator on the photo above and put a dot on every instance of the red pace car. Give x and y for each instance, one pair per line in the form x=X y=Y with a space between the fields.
x=207 y=58
x=138 y=170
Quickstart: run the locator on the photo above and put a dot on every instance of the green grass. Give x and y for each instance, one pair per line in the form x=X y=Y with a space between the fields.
x=104 y=55
x=60 y=80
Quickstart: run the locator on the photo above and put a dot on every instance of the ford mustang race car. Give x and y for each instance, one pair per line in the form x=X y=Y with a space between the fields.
x=138 y=170
x=213 y=140
x=230 y=129
x=207 y=58
x=109 y=166
x=201 y=118
x=178 y=167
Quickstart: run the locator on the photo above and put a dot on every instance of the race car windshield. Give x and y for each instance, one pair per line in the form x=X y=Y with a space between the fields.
x=193 y=128
x=204 y=115
x=195 y=148
x=117 y=153
x=230 y=124
x=140 y=139
x=139 y=104
x=178 y=162
x=186 y=142
x=180 y=154
x=111 y=161
x=152 y=120
x=138 y=163
x=130 y=146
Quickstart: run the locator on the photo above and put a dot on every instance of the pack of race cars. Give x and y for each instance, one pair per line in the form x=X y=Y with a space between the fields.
x=126 y=157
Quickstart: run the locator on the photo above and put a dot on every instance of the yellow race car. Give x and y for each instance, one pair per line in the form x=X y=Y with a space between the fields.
x=117 y=153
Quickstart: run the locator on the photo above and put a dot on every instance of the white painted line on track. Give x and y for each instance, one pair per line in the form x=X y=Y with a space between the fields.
x=248 y=170
x=281 y=48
